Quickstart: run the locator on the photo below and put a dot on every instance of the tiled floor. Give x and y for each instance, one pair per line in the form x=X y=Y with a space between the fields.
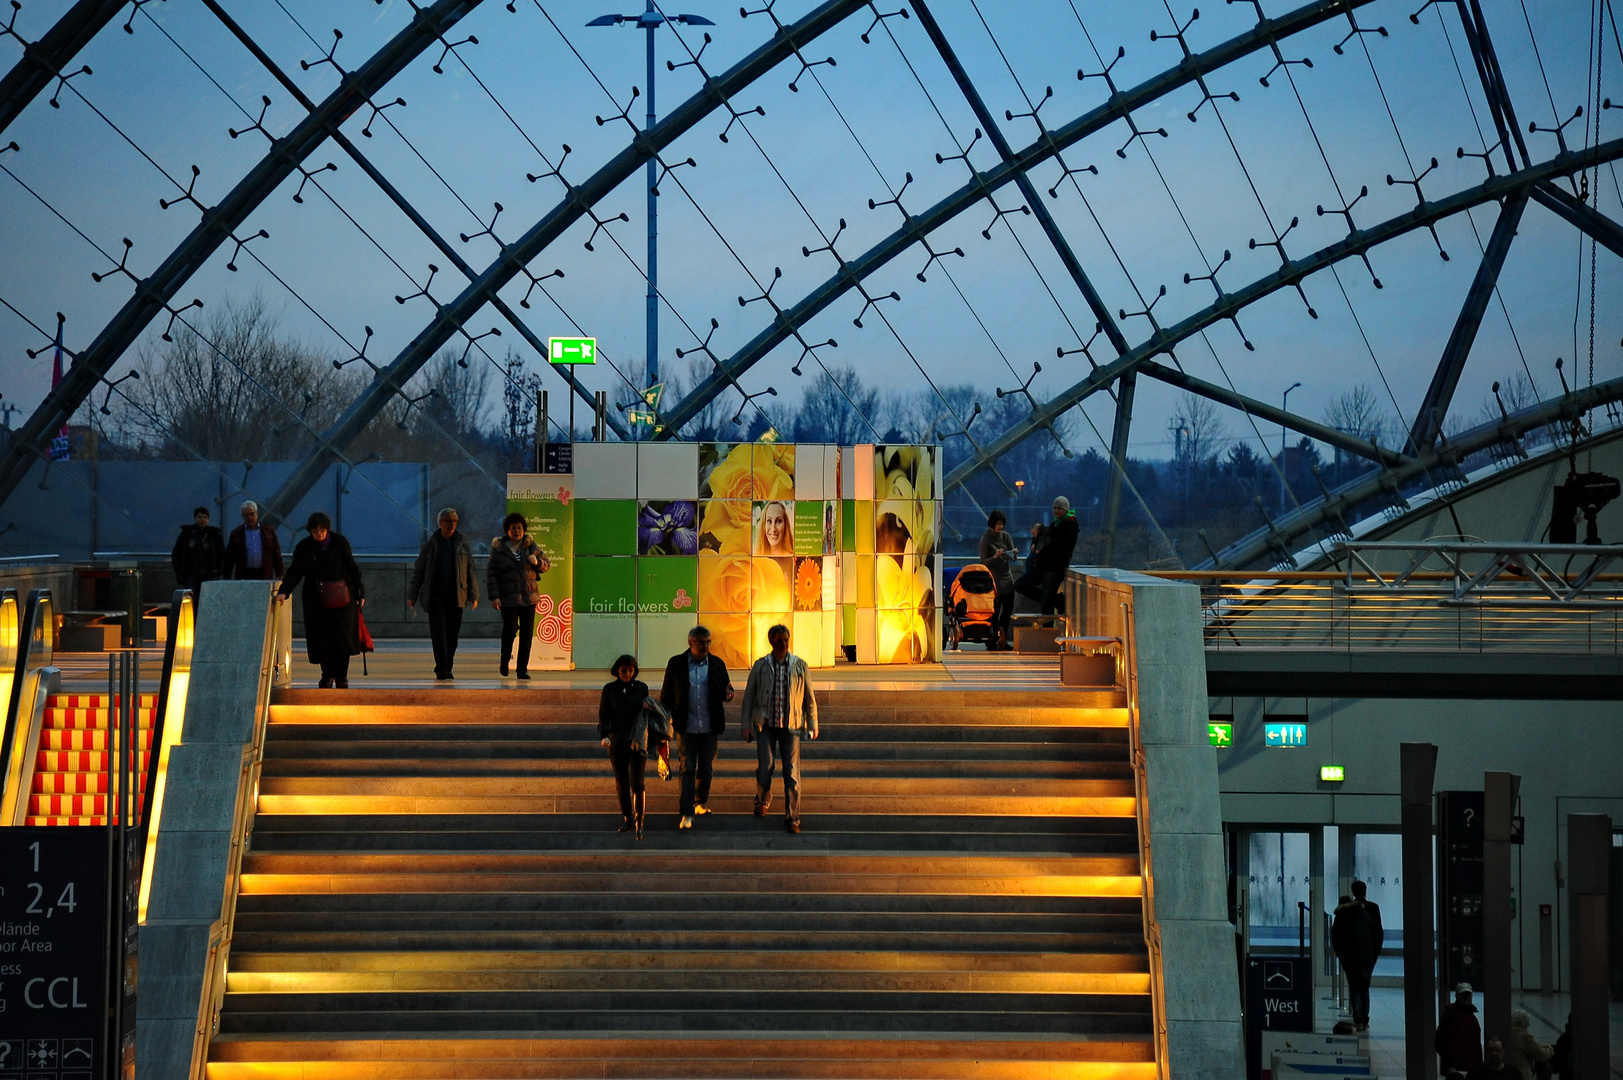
x=1385 y=1042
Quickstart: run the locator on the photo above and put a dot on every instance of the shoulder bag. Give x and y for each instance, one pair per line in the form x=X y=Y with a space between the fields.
x=333 y=594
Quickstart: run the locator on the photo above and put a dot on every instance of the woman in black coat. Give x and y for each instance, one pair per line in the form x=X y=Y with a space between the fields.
x=617 y=714
x=332 y=634
x=510 y=575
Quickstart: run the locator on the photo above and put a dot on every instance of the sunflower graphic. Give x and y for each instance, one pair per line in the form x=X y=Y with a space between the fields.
x=809 y=585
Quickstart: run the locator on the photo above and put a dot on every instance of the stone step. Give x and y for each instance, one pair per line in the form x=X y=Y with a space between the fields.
x=671 y=937
x=689 y=960
x=812 y=767
x=448 y=738
x=668 y=1056
x=924 y=712
x=732 y=1010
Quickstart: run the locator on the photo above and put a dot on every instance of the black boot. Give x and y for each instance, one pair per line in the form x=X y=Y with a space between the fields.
x=639 y=800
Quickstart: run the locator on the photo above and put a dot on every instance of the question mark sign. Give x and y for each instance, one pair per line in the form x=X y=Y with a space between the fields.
x=5 y=1052
x=1470 y=816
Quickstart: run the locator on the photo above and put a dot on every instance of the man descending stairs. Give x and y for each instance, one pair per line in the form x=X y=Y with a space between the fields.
x=435 y=888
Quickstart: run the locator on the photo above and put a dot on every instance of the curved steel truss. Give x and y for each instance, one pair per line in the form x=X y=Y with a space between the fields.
x=1526 y=180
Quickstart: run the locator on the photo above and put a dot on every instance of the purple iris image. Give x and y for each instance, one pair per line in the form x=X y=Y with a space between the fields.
x=668 y=528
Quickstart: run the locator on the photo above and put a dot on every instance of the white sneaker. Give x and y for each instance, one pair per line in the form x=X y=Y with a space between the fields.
x=686 y=822
x=701 y=809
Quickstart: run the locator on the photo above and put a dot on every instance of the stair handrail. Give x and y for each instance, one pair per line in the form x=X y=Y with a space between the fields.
x=10 y=653
x=167 y=728
x=1141 y=804
x=33 y=680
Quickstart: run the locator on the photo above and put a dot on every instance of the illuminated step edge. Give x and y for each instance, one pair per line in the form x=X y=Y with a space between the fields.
x=328 y=805
x=685 y=960
x=961 y=981
x=875 y=883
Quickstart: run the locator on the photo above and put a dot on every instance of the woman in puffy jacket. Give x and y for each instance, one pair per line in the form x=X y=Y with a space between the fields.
x=515 y=563
x=617 y=716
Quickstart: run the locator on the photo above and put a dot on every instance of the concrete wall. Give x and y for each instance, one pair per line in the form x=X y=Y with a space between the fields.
x=1186 y=834
x=1566 y=753
x=195 y=863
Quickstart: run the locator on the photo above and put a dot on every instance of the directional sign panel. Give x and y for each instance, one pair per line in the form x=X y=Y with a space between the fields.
x=572 y=350
x=1284 y=734
x=53 y=941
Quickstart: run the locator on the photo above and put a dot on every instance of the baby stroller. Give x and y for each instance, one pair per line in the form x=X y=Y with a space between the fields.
x=969 y=616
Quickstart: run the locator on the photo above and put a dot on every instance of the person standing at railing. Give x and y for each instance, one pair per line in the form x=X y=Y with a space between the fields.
x=515 y=563
x=442 y=581
x=997 y=553
x=333 y=597
x=1044 y=578
x=199 y=554
x=253 y=553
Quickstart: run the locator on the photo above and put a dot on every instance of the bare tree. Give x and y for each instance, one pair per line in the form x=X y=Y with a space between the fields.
x=1199 y=431
x=233 y=391
x=1359 y=411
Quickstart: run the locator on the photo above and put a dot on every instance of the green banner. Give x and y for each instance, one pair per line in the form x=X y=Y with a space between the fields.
x=548 y=505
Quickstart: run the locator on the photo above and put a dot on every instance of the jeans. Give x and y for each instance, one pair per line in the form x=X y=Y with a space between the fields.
x=518 y=621
x=698 y=763
x=784 y=745
x=1358 y=991
x=1003 y=617
x=628 y=766
x=444 y=624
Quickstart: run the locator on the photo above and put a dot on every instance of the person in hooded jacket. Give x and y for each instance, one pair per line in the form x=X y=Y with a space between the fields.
x=516 y=561
x=629 y=743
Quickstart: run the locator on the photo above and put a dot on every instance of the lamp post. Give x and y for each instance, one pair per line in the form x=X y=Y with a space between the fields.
x=1284 y=406
x=651 y=20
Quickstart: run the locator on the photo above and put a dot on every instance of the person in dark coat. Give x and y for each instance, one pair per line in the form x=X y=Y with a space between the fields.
x=1356 y=936
x=199 y=554
x=253 y=552
x=997 y=553
x=510 y=582
x=695 y=692
x=1459 y=1035
x=332 y=623
x=1044 y=578
x=617 y=714
x=442 y=581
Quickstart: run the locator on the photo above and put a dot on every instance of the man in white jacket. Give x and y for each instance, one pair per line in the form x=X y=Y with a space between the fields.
x=780 y=707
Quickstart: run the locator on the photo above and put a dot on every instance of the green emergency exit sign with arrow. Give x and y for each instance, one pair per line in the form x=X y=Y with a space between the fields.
x=572 y=350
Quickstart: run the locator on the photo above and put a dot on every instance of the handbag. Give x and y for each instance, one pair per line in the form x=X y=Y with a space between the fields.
x=333 y=594
x=367 y=644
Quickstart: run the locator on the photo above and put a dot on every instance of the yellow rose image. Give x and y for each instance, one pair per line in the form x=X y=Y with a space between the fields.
x=769 y=585
x=904 y=527
x=905 y=625
x=730 y=639
x=730 y=479
x=724 y=583
x=724 y=527
x=773 y=472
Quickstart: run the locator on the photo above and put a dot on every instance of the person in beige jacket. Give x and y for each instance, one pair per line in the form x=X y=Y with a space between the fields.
x=1523 y=1052
x=779 y=707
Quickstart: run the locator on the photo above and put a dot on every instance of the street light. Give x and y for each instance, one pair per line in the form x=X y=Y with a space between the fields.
x=1284 y=406
x=651 y=20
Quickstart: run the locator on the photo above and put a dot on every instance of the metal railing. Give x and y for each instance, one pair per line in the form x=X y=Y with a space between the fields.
x=34 y=680
x=1363 y=609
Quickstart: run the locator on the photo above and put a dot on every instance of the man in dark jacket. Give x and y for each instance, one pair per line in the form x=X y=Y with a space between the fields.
x=199 y=554
x=695 y=691
x=1459 y=1036
x=1044 y=579
x=442 y=581
x=1356 y=936
x=253 y=552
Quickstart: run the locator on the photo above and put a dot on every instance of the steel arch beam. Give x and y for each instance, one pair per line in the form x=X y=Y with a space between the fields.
x=1344 y=501
x=44 y=59
x=1582 y=216
x=1274 y=415
x=1428 y=421
x=983 y=184
x=579 y=199
x=153 y=293
x=429 y=232
x=1165 y=338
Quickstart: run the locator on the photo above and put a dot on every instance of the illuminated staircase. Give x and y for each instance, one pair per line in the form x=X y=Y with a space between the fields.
x=434 y=888
x=71 y=766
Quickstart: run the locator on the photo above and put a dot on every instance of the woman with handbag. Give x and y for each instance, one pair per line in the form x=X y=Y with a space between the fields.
x=333 y=597
x=510 y=575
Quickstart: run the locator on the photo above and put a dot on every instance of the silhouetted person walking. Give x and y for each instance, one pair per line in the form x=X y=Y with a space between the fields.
x=442 y=581
x=695 y=692
x=1356 y=937
x=199 y=554
x=333 y=597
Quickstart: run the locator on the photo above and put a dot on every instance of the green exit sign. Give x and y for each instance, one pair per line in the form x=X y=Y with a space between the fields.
x=572 y=350
x=1220 y=734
